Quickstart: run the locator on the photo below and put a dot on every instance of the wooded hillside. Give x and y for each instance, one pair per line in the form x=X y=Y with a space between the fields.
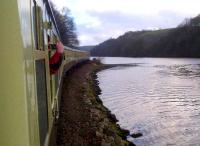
x=182 y=41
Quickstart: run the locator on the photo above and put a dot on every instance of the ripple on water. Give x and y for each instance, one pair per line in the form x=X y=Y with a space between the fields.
x=158 y=97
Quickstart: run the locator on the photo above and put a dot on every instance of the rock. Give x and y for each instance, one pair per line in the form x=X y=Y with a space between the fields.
x=99 y=100
x=123 y=133
x=118 y=140
x=111 y=139
x=108 y=131
x=136 y=135
x=131 y=144
x=103 y=143
x=87 y=101
x=98 y=134
x=112 y=117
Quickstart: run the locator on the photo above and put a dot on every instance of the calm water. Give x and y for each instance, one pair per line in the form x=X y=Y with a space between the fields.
x=157 y=97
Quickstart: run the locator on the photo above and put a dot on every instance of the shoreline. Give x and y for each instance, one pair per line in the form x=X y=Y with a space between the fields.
x=84 y=120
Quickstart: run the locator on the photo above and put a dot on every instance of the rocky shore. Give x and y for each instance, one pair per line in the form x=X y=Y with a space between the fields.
x=84 y=121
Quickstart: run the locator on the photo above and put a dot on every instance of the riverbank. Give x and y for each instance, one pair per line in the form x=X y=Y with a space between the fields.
x=83 y=118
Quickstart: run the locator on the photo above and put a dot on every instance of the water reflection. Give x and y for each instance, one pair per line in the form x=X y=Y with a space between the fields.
x=157 y=97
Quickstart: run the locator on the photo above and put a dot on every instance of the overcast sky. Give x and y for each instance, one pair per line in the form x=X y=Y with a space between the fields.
x=98 y=20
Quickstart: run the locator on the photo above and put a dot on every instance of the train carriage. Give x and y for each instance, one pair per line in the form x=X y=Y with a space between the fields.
x=28 y=93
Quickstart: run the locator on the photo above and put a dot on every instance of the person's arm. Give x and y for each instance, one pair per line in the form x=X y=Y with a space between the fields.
x=56 y=60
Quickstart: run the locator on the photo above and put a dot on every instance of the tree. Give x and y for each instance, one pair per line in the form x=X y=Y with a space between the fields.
x=66 y=27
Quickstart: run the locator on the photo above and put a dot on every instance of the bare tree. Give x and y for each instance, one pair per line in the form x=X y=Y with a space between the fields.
x=66 y=27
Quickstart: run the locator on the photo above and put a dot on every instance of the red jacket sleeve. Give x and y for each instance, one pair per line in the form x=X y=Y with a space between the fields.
x=55 y=62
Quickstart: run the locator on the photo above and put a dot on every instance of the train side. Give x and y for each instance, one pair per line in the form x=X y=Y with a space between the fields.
x=29 y=95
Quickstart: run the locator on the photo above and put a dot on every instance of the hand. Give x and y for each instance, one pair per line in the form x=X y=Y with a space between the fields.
x=59 y=47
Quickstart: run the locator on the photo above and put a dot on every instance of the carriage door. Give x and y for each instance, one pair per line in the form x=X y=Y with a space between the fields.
x=41 y=67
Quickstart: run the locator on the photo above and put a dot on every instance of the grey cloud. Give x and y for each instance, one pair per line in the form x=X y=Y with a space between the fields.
x=114 y=21
x=116 y=18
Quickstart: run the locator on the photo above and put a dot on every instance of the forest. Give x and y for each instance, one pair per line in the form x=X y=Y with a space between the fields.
x=182 y=41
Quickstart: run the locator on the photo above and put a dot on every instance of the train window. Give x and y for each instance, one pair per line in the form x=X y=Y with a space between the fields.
x=42 y=99
x=38 y=25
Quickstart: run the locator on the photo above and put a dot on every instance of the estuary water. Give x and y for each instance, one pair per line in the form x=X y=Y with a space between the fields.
x=158 y=97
